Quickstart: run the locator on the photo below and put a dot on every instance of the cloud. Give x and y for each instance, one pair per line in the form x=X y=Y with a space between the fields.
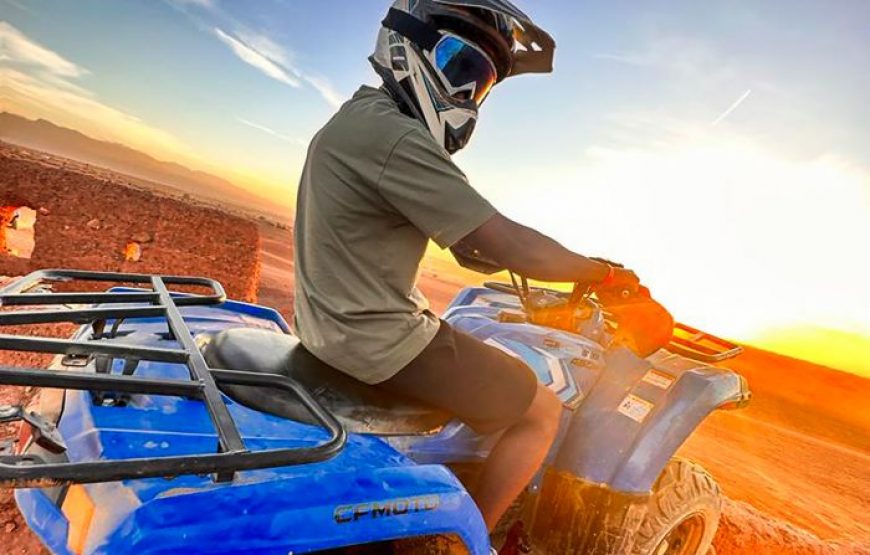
x=182 y=4
x=273 y=60
x=692 y=79
x=670 y=52
x=270 y=131
x=733 y=107
x=691 y=216
x=263 y=53
x=257 y=59
x=256 y=49
x=326 y=90
x=70 y=106
x=43 y=87
x=687 y=65
x=21 y=50
x=268 y=48
x=22 y=7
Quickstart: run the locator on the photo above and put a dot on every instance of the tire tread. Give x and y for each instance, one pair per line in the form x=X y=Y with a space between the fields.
x=684 y=486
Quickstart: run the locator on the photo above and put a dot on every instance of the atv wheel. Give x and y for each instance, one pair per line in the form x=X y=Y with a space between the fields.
x=679 y=516
x=683 y=512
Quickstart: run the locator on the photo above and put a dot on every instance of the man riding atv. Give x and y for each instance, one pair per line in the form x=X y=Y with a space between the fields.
x=379 y=183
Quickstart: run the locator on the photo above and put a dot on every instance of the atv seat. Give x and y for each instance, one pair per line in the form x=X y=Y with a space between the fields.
x=360 y=407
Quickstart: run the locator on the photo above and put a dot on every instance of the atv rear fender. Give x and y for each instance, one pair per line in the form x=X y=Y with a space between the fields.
x=639 y=413
x=287 y=513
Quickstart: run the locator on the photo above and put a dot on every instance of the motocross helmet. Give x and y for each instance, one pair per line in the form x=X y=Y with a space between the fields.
x=440 y=59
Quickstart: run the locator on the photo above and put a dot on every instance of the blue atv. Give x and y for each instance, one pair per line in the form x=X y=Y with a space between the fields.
x=183 y=422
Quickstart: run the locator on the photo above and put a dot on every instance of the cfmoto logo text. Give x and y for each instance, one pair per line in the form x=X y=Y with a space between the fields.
x=344 y=514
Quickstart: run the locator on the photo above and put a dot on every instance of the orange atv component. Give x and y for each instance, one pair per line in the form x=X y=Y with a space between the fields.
x=642 y=324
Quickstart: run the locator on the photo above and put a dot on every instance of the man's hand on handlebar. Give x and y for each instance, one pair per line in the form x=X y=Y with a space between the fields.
x=620 y=280
x=629 y=279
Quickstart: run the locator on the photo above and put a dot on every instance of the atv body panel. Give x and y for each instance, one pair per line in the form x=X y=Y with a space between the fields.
x=628 y=415
x=624 y=417
x=368 y=493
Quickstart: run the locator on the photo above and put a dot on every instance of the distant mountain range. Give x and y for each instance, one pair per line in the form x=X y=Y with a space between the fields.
x=47 y=137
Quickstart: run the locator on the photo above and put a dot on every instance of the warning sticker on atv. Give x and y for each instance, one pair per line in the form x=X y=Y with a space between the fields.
x=635 y=408
x=659 y=379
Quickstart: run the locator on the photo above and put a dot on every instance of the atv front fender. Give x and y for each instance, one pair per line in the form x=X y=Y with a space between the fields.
x=639 y=413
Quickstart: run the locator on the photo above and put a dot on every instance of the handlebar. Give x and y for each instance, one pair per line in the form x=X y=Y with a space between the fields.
x=635 y=319
x=520 y=287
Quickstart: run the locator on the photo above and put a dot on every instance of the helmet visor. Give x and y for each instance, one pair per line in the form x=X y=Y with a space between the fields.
x=466 y=67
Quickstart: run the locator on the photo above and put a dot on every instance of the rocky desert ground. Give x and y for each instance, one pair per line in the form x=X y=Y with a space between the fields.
x=86 y=217
x=795 y=465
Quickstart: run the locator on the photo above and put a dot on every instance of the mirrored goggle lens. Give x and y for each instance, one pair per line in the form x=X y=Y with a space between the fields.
x=463 y=65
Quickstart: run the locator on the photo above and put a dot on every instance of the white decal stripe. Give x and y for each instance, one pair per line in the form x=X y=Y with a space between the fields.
x=493 y=343
x=556 y=370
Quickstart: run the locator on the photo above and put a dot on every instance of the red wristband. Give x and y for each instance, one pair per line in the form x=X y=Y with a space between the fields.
x=610 y=278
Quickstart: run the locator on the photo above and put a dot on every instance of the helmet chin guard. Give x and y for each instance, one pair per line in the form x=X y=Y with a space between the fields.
x=405 y=58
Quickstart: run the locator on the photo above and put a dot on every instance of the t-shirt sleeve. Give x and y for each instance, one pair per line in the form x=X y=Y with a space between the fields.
x=422 y=182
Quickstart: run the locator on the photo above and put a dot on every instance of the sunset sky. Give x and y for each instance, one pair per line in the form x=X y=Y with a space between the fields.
x=722 y=149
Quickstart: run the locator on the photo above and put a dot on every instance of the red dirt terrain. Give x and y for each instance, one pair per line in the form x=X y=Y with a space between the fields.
x=15 y=537
x=795 y=465
x=86 y=216
x=796 y=462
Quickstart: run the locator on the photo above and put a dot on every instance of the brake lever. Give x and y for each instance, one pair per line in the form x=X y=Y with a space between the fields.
x=524 y=301
x=579 y=293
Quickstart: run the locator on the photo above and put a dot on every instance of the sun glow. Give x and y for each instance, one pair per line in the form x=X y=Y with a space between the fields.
x=732 y=237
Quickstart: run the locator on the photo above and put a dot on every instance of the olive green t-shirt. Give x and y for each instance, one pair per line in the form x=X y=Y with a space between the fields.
x=375 y=188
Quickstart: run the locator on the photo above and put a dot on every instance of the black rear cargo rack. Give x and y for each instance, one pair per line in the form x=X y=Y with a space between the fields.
x=700 y=345
x=231 y=456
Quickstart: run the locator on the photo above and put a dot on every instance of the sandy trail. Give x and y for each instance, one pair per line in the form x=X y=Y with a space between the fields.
x=800 y=454
x=276 y=268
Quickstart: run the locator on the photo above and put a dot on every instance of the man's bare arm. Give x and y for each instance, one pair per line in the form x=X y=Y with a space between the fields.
x=534 y=255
